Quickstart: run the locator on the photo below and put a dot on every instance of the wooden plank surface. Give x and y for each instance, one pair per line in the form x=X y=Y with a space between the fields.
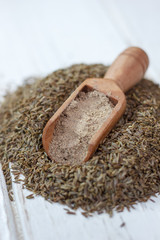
x=38 y=37
x=8 y=230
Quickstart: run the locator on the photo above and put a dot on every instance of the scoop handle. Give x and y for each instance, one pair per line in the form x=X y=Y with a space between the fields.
x=128 y=68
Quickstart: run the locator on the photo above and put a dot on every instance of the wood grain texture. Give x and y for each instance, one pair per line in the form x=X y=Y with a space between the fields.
x=136 y=23
x=128 y=68
x=8 y=229
x=38 y=37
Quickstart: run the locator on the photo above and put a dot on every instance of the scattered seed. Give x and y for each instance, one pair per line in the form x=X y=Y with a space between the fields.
x=30 y=196
x=123 y=224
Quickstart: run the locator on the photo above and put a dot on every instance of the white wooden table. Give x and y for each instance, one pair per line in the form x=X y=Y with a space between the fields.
x=38 y=37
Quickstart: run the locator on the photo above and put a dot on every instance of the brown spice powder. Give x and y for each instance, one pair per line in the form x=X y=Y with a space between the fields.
x=76 y=126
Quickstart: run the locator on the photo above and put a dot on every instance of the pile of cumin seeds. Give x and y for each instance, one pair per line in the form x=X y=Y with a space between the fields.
x=125 y=168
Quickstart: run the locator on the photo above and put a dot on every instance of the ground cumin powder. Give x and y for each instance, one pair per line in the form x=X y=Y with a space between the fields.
x=76 y=126
x=124 y=170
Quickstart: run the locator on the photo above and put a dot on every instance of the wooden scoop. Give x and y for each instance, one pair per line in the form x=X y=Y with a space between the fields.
x=127 y=70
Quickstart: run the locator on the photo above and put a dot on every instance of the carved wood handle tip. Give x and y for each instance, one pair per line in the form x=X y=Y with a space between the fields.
x=128 y=68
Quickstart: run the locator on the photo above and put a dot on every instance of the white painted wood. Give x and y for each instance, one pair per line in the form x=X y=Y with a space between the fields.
x=137 y=21
x=38 y=37
x=43 y=220
x=7 y=222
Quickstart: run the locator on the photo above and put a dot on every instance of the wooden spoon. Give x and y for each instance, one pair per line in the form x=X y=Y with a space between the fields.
x=127 y=70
